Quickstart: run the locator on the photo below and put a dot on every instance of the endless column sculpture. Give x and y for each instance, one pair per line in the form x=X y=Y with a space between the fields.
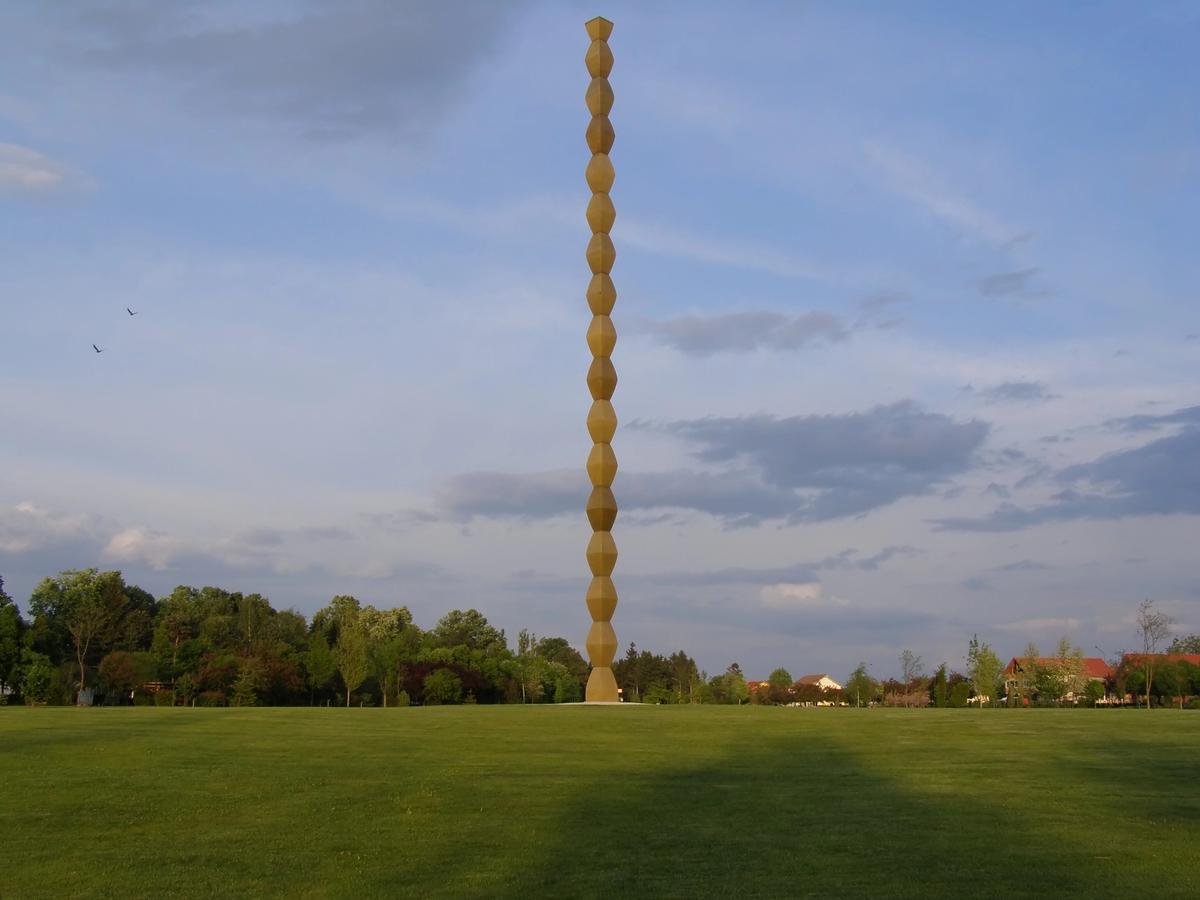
x=602 y=377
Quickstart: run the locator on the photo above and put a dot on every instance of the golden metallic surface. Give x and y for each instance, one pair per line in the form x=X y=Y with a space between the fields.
x=601 y=214
x=599 y=28
x=600 y=134
x=599 y=97
x=601 y=508
x=602 y=422
x=601 y=336
x=602 y=378
x=600 y=173
x=598 y=59
x=602 y=686
x=601 y=294
x=601 y=643
x=601 y=598
x=602 y=465
x=601 y=553
x=601 y=254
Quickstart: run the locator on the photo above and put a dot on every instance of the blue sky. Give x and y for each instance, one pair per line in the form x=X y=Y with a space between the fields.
x=908 y=321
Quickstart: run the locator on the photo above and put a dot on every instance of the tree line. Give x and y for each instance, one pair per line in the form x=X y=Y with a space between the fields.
x=93 y=638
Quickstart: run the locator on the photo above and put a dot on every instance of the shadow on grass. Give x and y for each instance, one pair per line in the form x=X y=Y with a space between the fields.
x=802 y=816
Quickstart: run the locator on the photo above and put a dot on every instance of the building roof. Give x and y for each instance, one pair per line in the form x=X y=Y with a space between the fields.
x=1193 y=658
x=812 y=679
x=1093 y=666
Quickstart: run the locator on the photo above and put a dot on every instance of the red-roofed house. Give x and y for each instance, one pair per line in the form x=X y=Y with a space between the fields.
x=1020 y=670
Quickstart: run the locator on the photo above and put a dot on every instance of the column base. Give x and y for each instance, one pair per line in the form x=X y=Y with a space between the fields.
x=601 y=686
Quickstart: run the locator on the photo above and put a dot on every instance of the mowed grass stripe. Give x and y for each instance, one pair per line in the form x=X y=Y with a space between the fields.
x=553 y=801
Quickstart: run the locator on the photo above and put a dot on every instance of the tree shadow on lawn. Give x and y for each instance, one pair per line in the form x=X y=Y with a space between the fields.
x=802 y=816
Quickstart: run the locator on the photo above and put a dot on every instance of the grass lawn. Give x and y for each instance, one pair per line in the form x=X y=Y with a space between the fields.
x=598 y=802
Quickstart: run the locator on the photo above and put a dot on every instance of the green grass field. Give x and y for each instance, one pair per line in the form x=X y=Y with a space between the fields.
x=590 y=802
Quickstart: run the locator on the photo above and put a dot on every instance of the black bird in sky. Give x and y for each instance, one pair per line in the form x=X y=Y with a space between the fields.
x=130 y=311
x=97 y=349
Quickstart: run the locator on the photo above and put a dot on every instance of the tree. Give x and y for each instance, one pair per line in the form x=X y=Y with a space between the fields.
x=81 y=603
x=531 y=667
x=388 y=658
x=939 y=694
x=442 y=687
x=732 y=686
x=11 y=628
x=983 y=668
x=1155 y=628
x=467 y=629
x=911 y=673
x=37 y=674
x=351 y=657
x=779 y=686
x=123 y=672
x=860 y=685
x=319 y=664
x=1189 y=644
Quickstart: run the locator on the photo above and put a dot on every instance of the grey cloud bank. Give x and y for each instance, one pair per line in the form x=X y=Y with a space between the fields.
x=797 y=469
x=363 y=68
x=744 y=332
x=1158 y=478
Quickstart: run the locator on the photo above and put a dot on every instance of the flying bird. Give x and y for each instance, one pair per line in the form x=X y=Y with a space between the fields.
x=97 y=349
x=130 y=311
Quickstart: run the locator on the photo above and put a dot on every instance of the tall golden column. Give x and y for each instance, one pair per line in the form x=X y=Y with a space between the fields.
x=602 y=377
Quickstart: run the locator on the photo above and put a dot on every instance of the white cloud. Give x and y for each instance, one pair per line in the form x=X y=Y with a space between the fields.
x=25 y=171
x=912 y=179
x=797 y=595
x=140 y=545
x=26 y=527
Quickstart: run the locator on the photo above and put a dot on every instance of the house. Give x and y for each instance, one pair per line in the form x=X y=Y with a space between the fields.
x=1018 y=672
x=823 y=681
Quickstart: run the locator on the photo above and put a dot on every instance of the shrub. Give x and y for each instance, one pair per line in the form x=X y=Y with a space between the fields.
x=141 y=698
x=164 y=698
x=442 y=687
x=402 y=699
x=210 y=698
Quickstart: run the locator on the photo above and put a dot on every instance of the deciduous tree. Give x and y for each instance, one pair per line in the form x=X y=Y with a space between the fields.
x=1155 y=628
x=983 y=668
x=351 y=657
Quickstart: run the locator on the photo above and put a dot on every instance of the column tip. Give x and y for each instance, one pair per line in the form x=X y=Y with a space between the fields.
x=599 y=28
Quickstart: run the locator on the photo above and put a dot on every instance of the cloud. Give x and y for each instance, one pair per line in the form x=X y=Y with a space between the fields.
x=26 y=527
x=738 y=498
x=1027 y=625
x=797 y=595
x=797 y=469
x=841 y=465
x=1009 y=284
x=1189 y=416
x=726 y=251
x=745 y=332
x=1158 y=478
x=141 y=545
x=1017 y=392
x=915 y=181
x=25 y=171
x=326 y=73
x=1023 y=565
x=878 y=302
